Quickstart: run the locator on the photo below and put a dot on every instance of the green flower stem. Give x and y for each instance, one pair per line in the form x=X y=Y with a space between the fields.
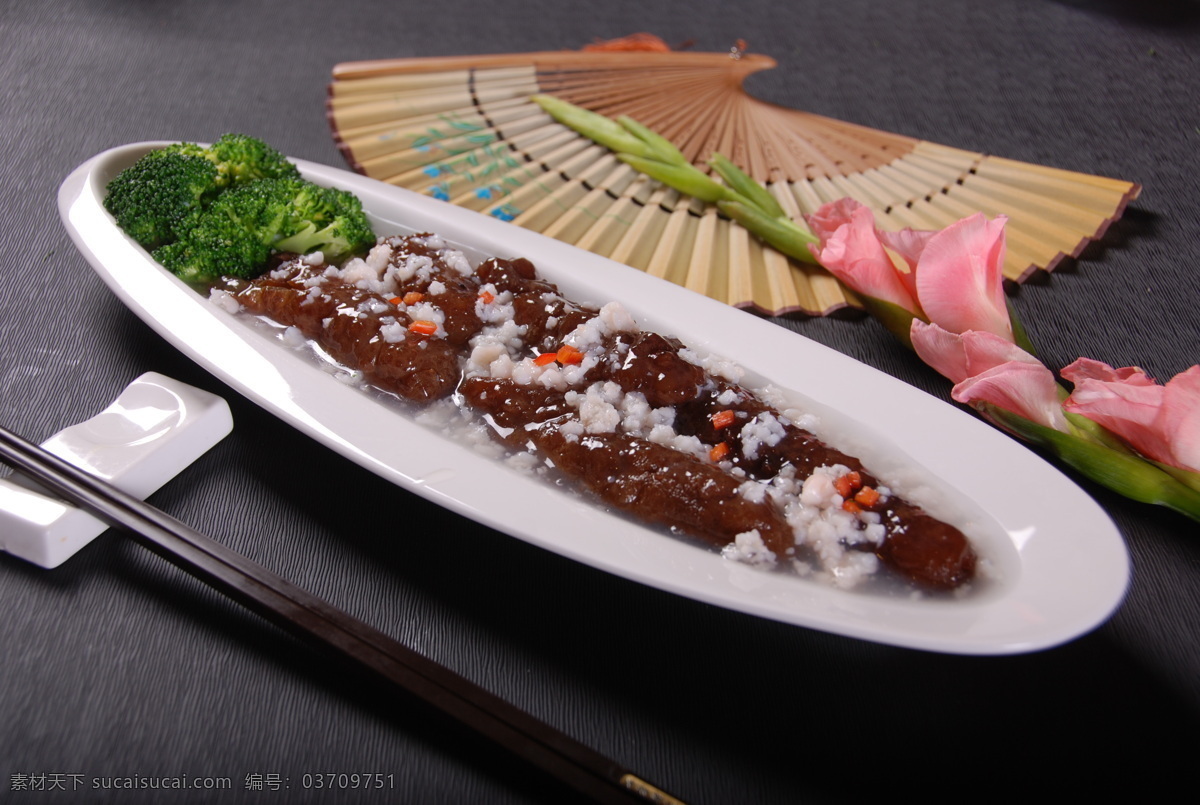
x=1186 y=477
x=685 y=178
x=755 y=193
x=1120 y=471
x=898 y=320
x=783 y=234
x=664 y=150
x=595 y=127
x=741 y=198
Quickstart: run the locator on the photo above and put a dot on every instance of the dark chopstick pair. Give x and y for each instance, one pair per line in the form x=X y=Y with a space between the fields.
x=309 y=617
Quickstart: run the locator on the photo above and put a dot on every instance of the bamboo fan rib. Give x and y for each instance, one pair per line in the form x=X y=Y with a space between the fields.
x=463 y=129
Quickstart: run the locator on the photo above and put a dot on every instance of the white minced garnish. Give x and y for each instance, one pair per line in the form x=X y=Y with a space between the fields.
x=293 y=337
x=436 y=288
x=727 y=397
x=748 y=548
x=714 y=365
x=598 y=407
x=523 y=461
x=500 y=342
x=763 y=429
x=362 y=274
x=753 y=491
x=313 y=258
x=424 y=311
x=498 y=310
x=457 y=261
x=409 y=267
x=617 y=319
x=224 y=300
x=393 y=332
x=373 y=306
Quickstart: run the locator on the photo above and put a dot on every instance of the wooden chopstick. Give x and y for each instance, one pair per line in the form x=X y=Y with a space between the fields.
x=300 y=612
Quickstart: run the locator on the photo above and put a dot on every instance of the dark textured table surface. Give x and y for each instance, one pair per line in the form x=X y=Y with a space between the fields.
x=116 y=665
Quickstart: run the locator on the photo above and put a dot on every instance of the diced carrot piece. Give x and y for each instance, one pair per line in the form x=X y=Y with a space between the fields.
x=848 y=484
x=412 y=297
x=567 y=354
x=851 y=506
x=395 y=300
x=544 y=359
x=422 y=327
x=719 y=452
x=867 y=496
x=488 y=297
x=722 y=419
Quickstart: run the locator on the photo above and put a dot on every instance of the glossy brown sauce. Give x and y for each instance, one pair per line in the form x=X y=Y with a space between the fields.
x=381 y=335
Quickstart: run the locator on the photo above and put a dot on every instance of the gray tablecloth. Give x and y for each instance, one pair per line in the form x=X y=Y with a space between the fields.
x=117 y=666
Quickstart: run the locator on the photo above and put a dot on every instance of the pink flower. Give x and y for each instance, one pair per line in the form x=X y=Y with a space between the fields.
x=952 y=278
x=1160 y=422
x=960 y=283
x=959 y=356
x=851 y=249
x=1026 y=389
x=986 y=368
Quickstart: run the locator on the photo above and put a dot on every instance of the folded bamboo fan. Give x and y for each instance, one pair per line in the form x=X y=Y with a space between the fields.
x=463 y=129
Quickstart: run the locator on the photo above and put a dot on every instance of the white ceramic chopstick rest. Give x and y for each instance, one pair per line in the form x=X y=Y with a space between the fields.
x=150 y=433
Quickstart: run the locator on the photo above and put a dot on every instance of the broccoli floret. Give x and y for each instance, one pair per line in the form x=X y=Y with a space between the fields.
x=157 y=199
x=239 y=230
x=240 y=158
x=189 y=149
x=212 y=251
x=324 y=219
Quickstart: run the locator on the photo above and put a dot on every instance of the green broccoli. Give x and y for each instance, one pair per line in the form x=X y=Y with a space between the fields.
x=240 y=229
x=240 y=158
x=157 y=199
x=324 y=219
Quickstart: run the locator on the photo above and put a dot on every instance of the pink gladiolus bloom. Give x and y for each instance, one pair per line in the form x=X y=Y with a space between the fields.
x=1026 y=389
x=1160 y=422
x=825 y=221
x=909 y=244
x=959 y=277
x=959 y=356
x=852 y=251
x=954 y=277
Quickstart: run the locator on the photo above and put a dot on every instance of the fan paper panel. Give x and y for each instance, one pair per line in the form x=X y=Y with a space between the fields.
x=464 y=130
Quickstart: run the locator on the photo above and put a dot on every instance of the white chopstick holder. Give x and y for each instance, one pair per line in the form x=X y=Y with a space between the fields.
x=150 y=433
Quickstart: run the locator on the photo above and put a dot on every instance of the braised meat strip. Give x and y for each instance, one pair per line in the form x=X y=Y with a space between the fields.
x=412 y=317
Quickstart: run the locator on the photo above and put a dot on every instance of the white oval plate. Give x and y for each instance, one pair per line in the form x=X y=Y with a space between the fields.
x=1061 y=565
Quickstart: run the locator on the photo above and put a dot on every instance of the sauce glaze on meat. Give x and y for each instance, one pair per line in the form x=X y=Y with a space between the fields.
x=632 y=417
